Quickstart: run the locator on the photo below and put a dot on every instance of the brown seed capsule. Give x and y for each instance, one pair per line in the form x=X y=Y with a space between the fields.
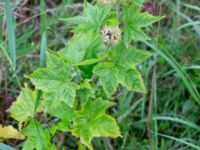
x=106 y=1
x=111 y=35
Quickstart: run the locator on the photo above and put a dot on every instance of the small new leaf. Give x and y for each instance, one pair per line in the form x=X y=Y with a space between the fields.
x=92 y=121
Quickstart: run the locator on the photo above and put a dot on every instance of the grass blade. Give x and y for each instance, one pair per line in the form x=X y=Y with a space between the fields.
x=123 y=116
x=155 y=123
x=180 y=141
x=189 y=20
x=11 y=33
x=183 y=75
x=172 y=119
x=6 y=147
x=43 y=27
x=43 y=50
x=191 y=6
x=7 y=56
x=193 y=67
x=10 y=62
x=192 y=23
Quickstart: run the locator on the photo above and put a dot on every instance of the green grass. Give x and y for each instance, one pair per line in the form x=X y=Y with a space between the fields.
x=10 y=33
x=43 y=28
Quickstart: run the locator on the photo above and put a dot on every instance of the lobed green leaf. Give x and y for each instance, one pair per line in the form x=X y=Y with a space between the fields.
x=37 y=137
x=55 y=80
x=92 y=121
x=120 y=68
x=92 y=18
x=135 y=21
x=23 y=108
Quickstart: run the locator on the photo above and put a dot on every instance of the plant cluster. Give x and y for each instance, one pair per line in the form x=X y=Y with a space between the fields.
x=76 y=87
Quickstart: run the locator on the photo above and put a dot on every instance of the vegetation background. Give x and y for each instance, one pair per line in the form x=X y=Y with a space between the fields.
x=166 y=118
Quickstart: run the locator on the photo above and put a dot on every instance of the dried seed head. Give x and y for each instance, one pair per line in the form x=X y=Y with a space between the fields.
x=106 y=1
x=111 y=35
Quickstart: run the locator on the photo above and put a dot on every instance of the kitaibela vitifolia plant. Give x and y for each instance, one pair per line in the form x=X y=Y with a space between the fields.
x=78 y=82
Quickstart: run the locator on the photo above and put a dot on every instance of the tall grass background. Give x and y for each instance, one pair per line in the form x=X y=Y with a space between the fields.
x=166 y=118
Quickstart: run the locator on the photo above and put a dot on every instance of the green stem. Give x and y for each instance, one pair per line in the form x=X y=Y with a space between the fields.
x=81 y=146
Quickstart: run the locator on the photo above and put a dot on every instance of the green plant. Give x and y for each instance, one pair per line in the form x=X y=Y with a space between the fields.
x=76 y=87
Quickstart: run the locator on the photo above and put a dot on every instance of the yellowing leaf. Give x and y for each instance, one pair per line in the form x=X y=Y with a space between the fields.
x=8 y=132
x=92 y=121
x=24 y=107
